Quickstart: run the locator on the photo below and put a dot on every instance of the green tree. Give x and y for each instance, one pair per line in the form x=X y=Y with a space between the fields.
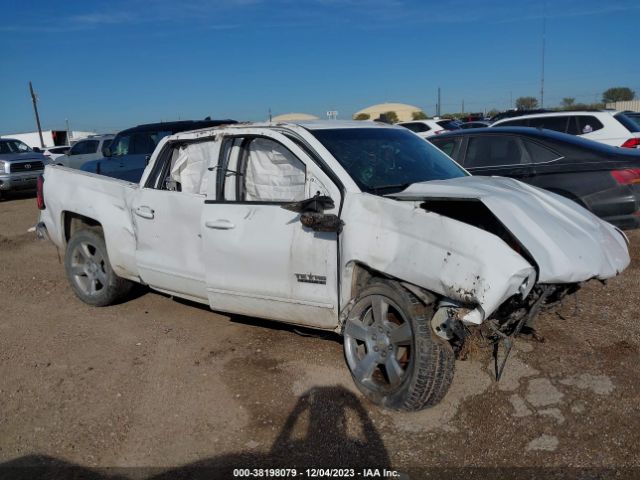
x=362 y=116
x=419 y=115
x=493 y=112
x=392 y=117
x=568 y=102
x=526 y=103
x=618 y=94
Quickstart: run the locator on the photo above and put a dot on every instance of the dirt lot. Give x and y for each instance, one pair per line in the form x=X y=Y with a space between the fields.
x=157 y=382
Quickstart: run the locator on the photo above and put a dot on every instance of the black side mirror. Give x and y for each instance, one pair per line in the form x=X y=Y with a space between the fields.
x=106 y=151
x=321 y=222
x=36 y=149
x=312 y=213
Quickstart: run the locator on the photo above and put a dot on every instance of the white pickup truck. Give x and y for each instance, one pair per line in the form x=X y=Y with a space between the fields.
x=360 y=228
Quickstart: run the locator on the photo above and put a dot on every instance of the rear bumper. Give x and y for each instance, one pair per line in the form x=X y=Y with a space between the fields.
x=19 y=181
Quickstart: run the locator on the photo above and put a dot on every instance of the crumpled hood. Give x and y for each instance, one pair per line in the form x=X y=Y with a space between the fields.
x=568 y=243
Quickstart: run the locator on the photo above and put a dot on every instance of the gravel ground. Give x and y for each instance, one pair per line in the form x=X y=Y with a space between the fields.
x=180 y=391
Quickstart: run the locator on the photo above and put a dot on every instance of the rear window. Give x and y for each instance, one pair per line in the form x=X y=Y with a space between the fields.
x=588 y=124
x=631 y=122
x=538 y=153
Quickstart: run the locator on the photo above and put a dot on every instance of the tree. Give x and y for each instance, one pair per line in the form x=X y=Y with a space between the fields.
x=419 y=115
x=392 y=117
x=493 y=112
x=362 y=116
x=568 y=102
x=526 y=103
x=618 y=94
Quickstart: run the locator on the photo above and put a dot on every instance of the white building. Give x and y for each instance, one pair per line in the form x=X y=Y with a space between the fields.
x=51 y=138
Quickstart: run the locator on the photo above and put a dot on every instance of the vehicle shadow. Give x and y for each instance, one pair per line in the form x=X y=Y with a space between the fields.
x=327 y=428
x=260 y=322
x=17 y=195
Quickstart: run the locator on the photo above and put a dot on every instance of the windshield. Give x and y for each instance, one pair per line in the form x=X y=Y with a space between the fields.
x=387 y=160
x=14 y=146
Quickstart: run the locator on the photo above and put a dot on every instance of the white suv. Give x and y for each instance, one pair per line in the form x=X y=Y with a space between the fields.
x=605 y=126
x=428 y=128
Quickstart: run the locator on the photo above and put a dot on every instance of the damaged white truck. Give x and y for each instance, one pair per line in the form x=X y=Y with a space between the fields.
x=359 y=228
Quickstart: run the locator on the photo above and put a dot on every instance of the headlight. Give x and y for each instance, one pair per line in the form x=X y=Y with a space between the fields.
x=3 y=169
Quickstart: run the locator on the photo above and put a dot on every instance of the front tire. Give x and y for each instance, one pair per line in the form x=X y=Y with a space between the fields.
x=89 y=271
x=392 y=354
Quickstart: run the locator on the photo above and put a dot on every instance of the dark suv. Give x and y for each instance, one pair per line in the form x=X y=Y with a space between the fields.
x=131 y=149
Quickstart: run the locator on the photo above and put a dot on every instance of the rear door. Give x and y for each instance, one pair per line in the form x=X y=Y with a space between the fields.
x=260 y=260
x=502 y=155
x=167 y=211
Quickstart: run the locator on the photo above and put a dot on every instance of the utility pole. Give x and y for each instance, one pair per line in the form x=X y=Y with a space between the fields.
x=35 y=109
x=270 y=115
x=438 y=106
x=511 y=99
x=463 y=106
x=66 y=120
x=544 y=34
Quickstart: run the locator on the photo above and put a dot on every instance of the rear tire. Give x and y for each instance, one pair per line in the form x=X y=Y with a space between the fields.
x=393 y=356
x=89 y=271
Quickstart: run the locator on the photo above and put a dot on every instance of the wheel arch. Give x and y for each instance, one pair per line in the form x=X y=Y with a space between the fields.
x=73 y=222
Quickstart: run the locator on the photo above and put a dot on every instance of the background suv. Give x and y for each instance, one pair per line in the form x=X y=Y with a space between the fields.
x=85 y=150
x=607 y=126
x=131 y=149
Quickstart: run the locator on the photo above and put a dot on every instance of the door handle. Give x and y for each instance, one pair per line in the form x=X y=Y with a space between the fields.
x=144 y=212
x=220 y=224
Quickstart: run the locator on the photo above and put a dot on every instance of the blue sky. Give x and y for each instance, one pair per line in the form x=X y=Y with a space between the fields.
x=109 y=65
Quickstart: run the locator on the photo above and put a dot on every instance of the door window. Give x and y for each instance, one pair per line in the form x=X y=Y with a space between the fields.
x=270 y=172
x=559 y=124
x=493 y=150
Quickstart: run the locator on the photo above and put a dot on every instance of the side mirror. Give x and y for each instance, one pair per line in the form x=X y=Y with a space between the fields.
x=106 y=151
x=312 y=213
x=36 y=149
x=321 y=222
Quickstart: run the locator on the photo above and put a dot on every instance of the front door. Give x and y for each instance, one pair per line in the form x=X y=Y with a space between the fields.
x=260 y=260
